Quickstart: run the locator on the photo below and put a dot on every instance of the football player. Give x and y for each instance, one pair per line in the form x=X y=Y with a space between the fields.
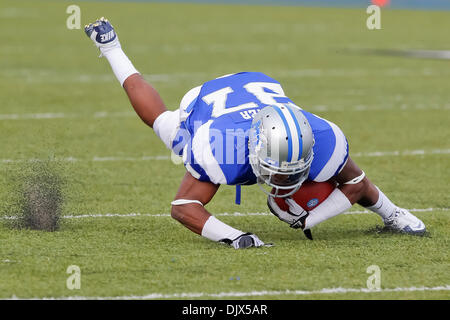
x=242 y=129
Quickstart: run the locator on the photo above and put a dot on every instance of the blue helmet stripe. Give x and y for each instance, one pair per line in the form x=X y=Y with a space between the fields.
x=299 y=132
x=289 y=159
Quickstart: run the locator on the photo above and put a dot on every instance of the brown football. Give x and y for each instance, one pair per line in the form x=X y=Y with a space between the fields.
x=310 y=195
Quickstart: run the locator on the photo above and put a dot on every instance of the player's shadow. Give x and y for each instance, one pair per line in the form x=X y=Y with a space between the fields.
x=383 y=230
x=327 y=234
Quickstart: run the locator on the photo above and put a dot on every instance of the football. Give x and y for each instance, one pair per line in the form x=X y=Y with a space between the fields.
x=310 y=195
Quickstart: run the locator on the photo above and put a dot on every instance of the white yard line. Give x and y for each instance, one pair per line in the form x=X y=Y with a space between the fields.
x=226 y=214
x=394 y=153
x=62 y=115
x=123 y=114
x=143 y=158
x=400 y=153
x=93 y=159
x=234 y=294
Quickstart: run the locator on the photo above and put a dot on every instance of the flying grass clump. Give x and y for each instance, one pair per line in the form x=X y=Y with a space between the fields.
x=37 y=198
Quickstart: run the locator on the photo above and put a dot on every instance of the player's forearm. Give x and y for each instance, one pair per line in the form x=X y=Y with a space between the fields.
x=192 y=216
x=336 y=203
x=199 y=220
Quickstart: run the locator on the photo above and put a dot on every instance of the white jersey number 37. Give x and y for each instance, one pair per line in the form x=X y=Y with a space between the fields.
x=218 y=98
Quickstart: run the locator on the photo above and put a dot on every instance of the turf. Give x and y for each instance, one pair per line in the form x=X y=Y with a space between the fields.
x=382 y=103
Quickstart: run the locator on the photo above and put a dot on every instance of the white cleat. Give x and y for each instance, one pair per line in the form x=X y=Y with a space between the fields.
x=102 y=34
x=403 y=221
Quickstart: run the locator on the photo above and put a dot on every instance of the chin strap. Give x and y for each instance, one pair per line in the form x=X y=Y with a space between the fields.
x=357 y=179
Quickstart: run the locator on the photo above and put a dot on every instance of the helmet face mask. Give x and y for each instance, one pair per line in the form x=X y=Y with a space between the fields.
x=281 y=183
x=268 y=156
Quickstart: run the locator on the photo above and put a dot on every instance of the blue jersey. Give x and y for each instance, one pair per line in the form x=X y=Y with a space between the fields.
x=215 y=122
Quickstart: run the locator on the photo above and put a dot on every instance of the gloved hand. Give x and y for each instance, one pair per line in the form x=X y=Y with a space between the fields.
x=295 y=217
x=245 y=240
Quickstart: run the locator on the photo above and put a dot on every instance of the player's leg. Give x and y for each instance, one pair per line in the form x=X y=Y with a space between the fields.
x=355 y=187
x=362 y=192
x=144 y=98
x=366 y=194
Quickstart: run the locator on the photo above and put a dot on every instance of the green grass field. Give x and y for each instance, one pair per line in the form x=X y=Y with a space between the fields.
x=59 y=101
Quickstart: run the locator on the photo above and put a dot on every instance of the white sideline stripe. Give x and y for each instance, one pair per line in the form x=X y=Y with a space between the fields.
x=394 y=153
x=49 y=75
x=223 y=214
x=338 y=290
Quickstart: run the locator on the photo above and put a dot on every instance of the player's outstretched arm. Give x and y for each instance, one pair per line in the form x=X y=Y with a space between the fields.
x=188 y=209
x=144 y=98
x=192 y=214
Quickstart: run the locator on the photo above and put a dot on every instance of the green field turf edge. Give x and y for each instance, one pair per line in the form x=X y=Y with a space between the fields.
x=142 y=255
x=382 y=103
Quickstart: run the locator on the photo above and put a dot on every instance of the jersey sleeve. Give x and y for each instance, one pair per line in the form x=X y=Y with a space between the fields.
x=180 y=134
x=199 y=159
x=330 y=149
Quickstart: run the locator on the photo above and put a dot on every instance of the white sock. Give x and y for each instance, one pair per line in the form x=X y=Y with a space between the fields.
x=383 y=207
x=120 y=64
x=216 y=230
x=335 y=204
x=166 y=125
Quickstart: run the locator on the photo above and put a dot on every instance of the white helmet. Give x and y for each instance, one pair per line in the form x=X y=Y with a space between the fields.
x=281 y=148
